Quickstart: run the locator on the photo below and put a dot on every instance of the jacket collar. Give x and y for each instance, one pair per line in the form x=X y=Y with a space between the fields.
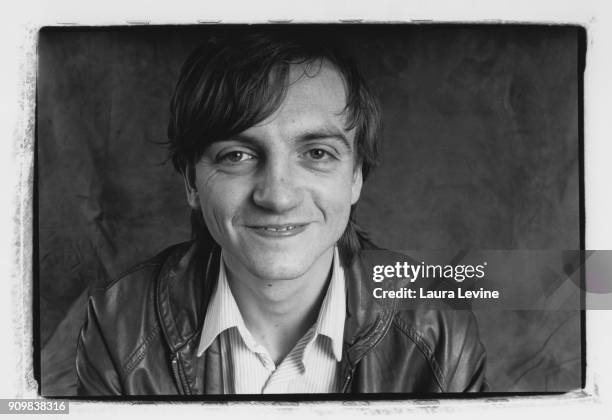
x=367 y=319
x=182 y=296
x=182 y=300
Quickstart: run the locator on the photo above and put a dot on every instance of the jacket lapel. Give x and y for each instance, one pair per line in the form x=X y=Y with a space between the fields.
x=184 y=287
x=367 y=320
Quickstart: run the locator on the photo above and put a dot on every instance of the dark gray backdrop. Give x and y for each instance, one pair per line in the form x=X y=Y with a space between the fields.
x=481 y=150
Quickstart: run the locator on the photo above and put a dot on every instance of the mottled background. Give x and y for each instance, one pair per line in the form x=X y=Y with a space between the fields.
x=481 y=150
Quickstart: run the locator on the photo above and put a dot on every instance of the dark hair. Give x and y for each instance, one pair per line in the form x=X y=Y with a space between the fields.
x=238 y=79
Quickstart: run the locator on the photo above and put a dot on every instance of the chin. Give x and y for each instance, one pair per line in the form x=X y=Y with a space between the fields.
x=280 y=270
x=279 y=261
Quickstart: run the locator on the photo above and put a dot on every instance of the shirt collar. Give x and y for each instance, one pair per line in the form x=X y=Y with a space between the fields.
x=223 y=313
x=333 y=309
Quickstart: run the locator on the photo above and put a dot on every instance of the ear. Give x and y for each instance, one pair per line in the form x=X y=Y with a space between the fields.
x=189 y=175
x=357 y=184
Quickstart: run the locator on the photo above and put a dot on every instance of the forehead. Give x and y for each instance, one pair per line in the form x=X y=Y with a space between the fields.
x=315 y=99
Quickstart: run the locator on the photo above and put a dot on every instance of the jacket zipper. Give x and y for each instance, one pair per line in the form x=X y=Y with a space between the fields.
x=347 y=381
x=177 y=374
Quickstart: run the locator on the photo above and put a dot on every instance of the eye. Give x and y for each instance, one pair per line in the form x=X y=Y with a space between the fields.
x=318 y=154
x=234 y=157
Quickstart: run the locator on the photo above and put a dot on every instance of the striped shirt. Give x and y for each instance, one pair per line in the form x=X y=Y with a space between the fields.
x=246 y=366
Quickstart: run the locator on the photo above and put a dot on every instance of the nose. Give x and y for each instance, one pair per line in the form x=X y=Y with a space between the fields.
x=276 y=189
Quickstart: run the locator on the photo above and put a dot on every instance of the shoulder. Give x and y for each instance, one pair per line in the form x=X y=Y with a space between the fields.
x=133 y=286
x=125 y=311
x=449 y=342
x=429 y=333
x=431 y=322
x=437 y=329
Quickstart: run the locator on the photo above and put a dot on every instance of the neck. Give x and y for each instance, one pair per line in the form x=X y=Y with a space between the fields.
x=279 y=312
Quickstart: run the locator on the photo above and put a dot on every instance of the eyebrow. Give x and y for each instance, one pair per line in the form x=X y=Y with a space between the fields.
x=316 y=134
x=325 y=133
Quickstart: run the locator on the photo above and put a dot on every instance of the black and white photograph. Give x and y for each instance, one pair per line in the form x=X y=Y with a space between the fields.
x=212 y=204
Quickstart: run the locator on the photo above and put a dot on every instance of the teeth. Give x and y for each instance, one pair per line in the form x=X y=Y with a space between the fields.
x=282 y=229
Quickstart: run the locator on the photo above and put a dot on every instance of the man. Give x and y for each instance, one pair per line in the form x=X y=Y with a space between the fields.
x=274 y=135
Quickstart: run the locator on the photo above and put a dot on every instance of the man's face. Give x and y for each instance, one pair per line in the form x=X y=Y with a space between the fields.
x=277 y=197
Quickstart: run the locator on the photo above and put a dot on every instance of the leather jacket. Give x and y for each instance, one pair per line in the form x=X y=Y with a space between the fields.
x=142 y=333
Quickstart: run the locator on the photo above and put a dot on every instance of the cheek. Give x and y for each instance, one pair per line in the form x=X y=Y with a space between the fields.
x=335 y=201
x=221 y=199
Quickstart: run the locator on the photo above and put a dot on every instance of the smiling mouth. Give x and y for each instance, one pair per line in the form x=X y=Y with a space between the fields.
x=279 y=230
